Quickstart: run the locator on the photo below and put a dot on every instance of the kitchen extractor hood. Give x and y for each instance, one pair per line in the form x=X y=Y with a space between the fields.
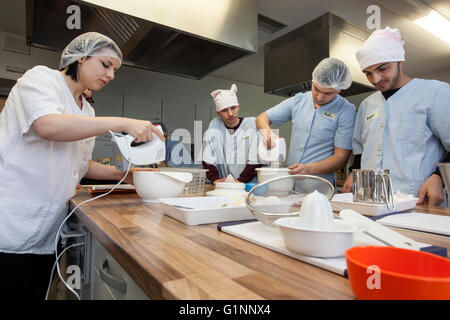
x=290 y=60
x=184 y=38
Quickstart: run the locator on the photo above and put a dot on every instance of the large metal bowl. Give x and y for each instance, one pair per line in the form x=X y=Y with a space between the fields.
x=304 y=184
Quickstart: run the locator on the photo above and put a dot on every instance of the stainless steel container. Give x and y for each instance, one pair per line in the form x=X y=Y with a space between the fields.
x=445 y=173
x=373 y=186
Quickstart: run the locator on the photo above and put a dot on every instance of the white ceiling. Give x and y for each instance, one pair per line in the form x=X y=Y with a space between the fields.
x=424 y=52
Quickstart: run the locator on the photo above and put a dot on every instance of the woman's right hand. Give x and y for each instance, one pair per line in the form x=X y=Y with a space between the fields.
x=141 y=129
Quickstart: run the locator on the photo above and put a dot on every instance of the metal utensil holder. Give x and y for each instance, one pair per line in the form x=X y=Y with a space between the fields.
x=373 y=186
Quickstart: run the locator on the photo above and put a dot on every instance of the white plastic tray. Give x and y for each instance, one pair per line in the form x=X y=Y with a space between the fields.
x=425 y=222
x=345 y=201
x=206 y=210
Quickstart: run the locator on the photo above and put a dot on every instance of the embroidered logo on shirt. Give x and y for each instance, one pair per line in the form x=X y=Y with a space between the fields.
x=329 y=115
x=372 y=116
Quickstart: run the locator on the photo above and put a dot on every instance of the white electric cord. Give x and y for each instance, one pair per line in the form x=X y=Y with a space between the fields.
x=68 y=216
x=54 y=265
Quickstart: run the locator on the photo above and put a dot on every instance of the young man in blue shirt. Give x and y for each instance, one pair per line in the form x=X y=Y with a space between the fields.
x=322 y=123
x=405 y=125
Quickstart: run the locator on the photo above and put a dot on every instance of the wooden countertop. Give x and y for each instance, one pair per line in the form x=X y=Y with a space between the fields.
x=170 y=260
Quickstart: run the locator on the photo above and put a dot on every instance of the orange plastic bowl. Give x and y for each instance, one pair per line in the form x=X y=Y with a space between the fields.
x=388 y=273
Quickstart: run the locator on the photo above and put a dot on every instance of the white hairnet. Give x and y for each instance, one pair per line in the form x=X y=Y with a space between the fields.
x=89 y=44
x=385 y=45
x=332 y=73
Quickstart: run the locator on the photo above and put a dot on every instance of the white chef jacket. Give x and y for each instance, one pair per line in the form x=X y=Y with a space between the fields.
x=409 y=133
x=38 y=176
x=230 y=153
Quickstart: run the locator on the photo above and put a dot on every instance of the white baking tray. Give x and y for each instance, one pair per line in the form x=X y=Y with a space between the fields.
x=425 y=222
x=203 y=210
x=345 y=201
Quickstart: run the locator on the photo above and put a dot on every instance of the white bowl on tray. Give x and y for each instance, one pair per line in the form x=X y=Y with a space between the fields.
x=323 y=243
x=281 y=187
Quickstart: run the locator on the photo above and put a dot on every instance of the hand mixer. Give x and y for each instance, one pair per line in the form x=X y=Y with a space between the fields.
x=126 y=152
x=273 y=155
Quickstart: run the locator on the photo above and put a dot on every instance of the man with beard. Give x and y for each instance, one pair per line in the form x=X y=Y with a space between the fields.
x=231 y=141
x=405 y=125
x=322 y=122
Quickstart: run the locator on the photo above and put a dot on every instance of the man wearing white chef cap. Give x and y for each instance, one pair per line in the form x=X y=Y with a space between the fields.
x=405 y=125
x=231 y=141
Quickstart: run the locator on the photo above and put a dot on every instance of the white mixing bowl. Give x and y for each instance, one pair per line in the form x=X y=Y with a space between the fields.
x=152 y=185
x=279 y=187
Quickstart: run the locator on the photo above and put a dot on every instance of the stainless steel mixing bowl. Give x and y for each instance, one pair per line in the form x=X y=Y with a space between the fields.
x=303 y=185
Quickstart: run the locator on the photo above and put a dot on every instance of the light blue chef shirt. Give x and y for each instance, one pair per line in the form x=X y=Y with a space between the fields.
x=407 y=134
x=315 y=132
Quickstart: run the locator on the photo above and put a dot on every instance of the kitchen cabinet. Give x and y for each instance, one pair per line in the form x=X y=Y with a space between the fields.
x=179 y=114
x=106 y=105
x=142 y=108
x=109 y=280
x=103 y=148
x=204 y=113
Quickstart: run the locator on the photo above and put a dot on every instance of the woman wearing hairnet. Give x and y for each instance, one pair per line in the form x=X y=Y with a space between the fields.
x=47 y=131
x=322 y=122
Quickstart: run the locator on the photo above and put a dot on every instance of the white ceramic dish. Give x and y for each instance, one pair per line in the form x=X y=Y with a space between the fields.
x=152 y=185
x=234 y=190
x=345 y=201
x=316 y=242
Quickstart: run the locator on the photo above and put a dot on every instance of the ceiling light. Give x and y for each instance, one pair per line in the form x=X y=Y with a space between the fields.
x=436 y=24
